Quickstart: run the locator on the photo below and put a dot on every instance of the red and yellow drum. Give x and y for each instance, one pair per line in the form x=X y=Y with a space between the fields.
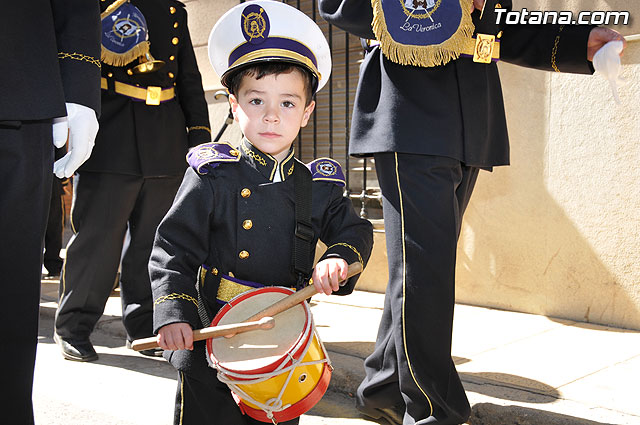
x=276 y=374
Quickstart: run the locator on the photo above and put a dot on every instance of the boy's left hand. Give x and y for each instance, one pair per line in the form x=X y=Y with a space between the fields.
x=328 y=274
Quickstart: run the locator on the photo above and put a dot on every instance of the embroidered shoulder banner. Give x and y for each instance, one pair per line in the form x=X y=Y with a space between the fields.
x=422 y=32
x=124 y=33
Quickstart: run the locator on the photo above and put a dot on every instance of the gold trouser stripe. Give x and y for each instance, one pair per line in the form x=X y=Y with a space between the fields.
x=181 y=396
x=404 y=279
x=139 y=93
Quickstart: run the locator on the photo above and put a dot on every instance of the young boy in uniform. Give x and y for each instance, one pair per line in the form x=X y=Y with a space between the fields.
x=237 y=218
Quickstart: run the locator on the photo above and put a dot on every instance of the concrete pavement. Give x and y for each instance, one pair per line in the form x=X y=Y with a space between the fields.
x=517 y=369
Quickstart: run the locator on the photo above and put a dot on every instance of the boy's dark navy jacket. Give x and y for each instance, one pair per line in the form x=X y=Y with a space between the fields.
x=207 y=224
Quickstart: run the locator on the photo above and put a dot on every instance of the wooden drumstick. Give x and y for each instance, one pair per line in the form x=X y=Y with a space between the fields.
x=211 y=332
x=298 y=296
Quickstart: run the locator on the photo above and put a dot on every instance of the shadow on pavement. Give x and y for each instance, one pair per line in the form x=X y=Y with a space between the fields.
x=133 y=362
x=591 y=326
x=511 y=387
x=491 y=414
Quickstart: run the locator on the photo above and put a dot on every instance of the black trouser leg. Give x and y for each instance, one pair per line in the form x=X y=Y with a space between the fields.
x=26 y=171
x=154 y=200
x=102 y=204
x=424 y=200
x=53 y=235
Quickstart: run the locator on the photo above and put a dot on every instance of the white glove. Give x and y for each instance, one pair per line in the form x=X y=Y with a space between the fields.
x=83 y=127
x=60 y=131
x=606 y=62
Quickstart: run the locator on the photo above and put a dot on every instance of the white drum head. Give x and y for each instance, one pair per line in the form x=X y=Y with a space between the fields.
x=252 y=350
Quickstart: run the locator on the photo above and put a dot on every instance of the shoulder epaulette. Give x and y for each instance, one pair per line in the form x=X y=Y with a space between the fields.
x=327 y=169
x=207 y=156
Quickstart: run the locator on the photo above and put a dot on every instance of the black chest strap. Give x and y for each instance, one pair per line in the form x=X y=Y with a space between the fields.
x=304 y=236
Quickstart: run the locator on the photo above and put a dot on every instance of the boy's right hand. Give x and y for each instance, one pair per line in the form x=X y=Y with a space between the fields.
x=176 y=336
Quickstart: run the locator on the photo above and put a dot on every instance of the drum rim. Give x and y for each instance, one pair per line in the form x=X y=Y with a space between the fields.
x=296 y=409
x=296 y=348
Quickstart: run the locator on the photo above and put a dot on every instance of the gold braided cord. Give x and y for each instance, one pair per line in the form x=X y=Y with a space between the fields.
x=255 y=156
x=199 y=127
x=80 y=57
x=351 y=247
x=175 y=296
x=424 y=56
x=555 y=50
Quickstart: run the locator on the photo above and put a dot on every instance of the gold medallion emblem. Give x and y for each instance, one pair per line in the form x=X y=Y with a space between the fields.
x=420 y=9
x=254 y=25
x=483 y=51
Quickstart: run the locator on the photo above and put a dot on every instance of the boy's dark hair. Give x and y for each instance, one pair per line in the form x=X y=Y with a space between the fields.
x=262 y=69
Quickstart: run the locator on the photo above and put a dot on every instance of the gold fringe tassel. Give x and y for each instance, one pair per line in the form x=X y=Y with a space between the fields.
x=122 y=59
x=425 y=56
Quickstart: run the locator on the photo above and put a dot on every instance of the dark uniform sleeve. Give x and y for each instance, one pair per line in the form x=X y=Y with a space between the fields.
x=353 y=16
x=191 y=93
x=559 y=48
x=346 y=235
x=181 y=246
x=77 y=26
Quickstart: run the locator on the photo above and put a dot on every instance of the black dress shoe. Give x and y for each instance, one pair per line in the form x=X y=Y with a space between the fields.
x=392 y=415
x=77 y=350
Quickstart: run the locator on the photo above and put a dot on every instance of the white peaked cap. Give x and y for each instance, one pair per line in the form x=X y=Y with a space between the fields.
x=268 y=31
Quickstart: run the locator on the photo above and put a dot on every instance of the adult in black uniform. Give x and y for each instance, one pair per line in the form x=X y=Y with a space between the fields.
x=50 y=57
x=130 y=180
x=430 y=130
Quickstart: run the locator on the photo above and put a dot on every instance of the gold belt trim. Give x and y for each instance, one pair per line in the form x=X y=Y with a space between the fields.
x=152 y=95
x=229 y=289
x=469 y=47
